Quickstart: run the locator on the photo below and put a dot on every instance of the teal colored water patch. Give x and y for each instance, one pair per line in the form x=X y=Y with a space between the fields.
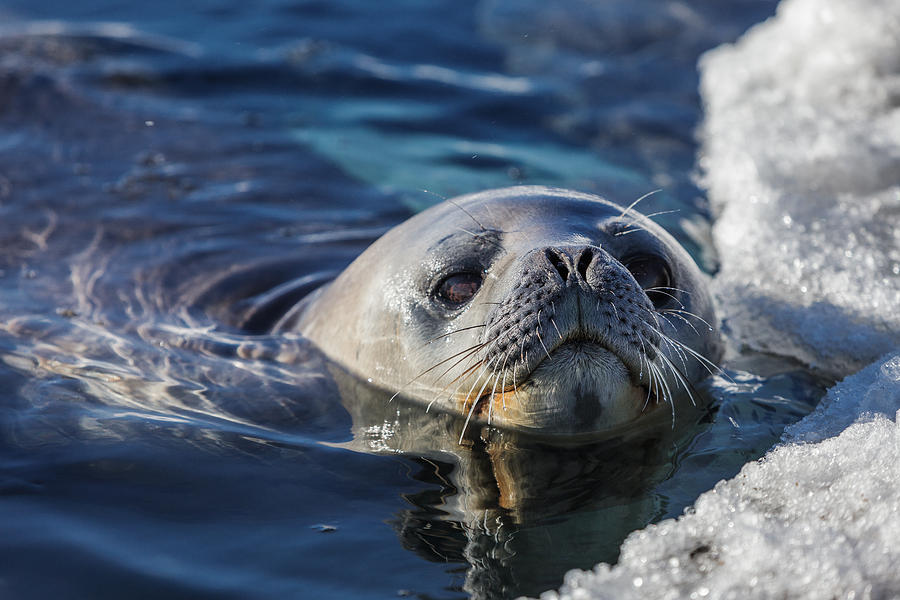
x=412 y=163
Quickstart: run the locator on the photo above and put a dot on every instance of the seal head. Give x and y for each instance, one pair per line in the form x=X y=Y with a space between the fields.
x=533 y=308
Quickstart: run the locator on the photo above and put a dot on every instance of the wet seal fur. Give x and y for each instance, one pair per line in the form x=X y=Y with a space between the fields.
x=533 y=308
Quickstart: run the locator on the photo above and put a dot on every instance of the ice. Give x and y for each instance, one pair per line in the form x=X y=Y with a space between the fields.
x=801 y=157
x=802 y=161
x=810 y=520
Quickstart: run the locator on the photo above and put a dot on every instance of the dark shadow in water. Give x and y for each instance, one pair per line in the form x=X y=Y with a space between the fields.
x=514 y=510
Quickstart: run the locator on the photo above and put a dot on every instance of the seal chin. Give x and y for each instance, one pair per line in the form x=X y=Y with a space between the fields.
x=582 y=387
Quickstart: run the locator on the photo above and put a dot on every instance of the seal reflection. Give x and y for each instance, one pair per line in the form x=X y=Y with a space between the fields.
x=514 y=510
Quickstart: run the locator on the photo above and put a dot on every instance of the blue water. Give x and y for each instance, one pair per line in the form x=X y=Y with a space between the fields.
x=160 y=162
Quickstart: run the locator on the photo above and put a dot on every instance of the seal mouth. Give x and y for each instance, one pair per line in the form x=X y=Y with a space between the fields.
x=580 y=385
x=576 y=342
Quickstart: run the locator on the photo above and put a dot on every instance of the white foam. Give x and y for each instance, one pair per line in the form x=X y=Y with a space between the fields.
x=802 y=161
x=811 y=520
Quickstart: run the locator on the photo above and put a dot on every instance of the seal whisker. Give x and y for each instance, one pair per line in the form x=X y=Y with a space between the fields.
x=653 y=314
x=491 y=401
x=471 y=352
x=654 y=379
x=436 y=195
x=689 y=324
x=491 y=406
x=699 y=357
x=635 y=203
x=503 y=368
x=678 y=351
x=443 y=335
x=683 y=349
x=662 y=212
x=484 y=366
x=433 y=400
x=649 y=384
x=467 y=213
x=515 y=387
x=680 y=377
x=537 y=331
x=475 y=400
x=468 y=351
x=481 y=237
x=468 y=371
x=669 y=396
x=627 y=231
x=657 y=329
x=690 y=314
x=708 y=364
x=657 y=291
x=466 y=424
x=667 y=392
x=664 y=318
x=458 y=377
x=667 y=287
x=641 y=356
x=487 y=381
x=503 y=385
x=553 y=308
x=657 y=387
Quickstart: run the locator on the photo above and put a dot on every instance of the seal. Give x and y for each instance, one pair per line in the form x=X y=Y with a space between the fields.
x=531 y=308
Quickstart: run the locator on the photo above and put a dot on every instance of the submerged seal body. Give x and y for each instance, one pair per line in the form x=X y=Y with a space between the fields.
x=533 y=308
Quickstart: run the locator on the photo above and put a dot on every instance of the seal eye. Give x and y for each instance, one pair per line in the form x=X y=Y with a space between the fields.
x=459 y=288
x=652 y=274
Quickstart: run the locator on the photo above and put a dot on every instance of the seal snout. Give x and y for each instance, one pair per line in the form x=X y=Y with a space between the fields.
x=574 y=337
x=570 y=294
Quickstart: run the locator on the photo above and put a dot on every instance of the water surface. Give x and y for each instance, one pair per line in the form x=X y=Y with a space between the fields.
x=158 y=163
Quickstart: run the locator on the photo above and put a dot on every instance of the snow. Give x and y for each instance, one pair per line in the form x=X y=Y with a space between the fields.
x=801 y=157
x=802 y=161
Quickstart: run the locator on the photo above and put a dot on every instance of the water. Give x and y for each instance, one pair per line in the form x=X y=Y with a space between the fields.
x=799 y=155
x=159 y=163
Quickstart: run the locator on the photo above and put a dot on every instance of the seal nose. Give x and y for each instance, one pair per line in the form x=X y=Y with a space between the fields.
x=571 y=260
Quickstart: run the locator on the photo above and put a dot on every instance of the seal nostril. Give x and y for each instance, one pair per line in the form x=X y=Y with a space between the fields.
x=558 y=263
x=587 y=256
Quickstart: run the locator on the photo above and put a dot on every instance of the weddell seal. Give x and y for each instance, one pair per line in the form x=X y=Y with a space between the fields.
x=531 y=308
